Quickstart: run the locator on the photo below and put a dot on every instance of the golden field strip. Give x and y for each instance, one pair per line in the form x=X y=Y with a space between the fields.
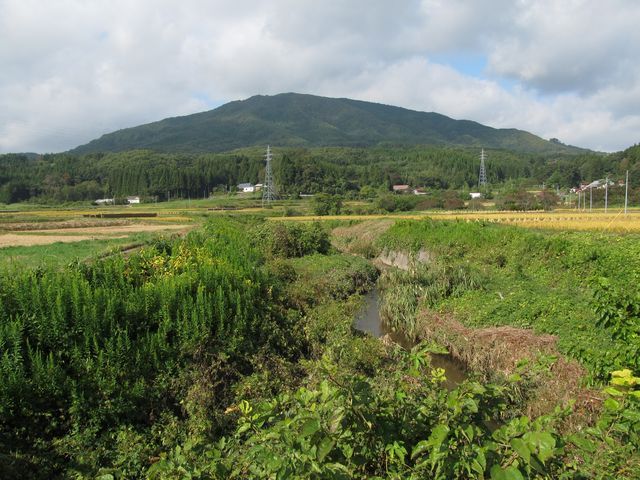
x=46 y=226
x=612 y=221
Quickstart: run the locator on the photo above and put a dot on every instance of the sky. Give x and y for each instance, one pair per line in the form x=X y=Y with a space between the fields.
x=72 y=70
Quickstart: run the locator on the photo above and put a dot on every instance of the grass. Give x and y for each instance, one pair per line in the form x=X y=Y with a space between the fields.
x=59 y=254
x=334 y=276
x=545 y=281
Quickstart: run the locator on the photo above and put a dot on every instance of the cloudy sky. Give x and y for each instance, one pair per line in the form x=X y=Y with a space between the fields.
x=71 y=70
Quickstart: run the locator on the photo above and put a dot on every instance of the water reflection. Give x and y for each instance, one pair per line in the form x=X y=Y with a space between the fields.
x=368 y=320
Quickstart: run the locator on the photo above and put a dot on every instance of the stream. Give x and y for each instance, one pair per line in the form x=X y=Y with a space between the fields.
x=368 y=320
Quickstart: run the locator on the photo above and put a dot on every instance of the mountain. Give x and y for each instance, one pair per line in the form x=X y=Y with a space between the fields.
x=292 y=119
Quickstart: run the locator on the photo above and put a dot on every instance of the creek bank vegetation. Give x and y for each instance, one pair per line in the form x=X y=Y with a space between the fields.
x=415 y=281
x=230 y=353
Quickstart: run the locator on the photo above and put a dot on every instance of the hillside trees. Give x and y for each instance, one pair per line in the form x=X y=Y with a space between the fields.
x=337 y=170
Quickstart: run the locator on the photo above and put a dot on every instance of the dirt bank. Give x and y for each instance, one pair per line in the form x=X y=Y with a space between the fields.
x=550 y=378
x=403 y=260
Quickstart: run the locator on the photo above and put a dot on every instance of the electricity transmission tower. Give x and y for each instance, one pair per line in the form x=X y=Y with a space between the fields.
x=482 y=178
x=269 y=189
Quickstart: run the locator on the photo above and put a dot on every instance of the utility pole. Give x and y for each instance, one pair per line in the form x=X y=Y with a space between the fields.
x=606 y=194
x=590 y=198
x=626 y=193
x=268 y=190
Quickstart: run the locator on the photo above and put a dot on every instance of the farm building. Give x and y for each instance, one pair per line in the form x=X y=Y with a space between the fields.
x=133 y=199
x=401 y=188
x=246 y=187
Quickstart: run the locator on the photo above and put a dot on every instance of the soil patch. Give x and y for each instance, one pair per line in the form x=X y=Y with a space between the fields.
x=14 y=240
x=45 y=237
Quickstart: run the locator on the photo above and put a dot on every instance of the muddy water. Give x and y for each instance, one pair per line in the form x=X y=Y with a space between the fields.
x=368 y=320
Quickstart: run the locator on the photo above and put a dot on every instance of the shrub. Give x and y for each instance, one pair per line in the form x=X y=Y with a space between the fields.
x=286 y=240
x=325 y=204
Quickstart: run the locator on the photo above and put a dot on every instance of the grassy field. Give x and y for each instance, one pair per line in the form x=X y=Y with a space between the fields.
x=34 y=235
x=62 y=253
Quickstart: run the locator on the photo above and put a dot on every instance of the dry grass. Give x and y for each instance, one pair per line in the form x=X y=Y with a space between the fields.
x=112 y=229
x=359 y=238
x=501 y=349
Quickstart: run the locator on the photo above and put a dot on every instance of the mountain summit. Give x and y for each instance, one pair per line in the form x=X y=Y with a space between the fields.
x=292 y=119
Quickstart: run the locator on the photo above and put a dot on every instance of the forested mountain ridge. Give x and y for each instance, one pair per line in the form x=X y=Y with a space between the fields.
x=297 y=120
x=339 y=170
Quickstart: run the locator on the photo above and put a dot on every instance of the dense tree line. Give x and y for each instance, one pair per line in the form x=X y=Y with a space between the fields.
x=66 y=178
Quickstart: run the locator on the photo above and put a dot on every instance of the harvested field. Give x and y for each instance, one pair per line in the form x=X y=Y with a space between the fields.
x=114 y=229
x=66 y=224
x=14 y=240
x=48 y=236
x=596 y=221
x=121 y=215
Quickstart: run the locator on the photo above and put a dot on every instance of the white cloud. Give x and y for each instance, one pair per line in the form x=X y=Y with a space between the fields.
x=71 y=70
x=578 y=46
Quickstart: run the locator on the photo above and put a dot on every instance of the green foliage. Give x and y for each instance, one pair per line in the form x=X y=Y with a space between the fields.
x=286 y=240
x=421 y=285
x=296 y=120
x=618 y=310
x=347 y=171
x=580 y=287
x=211 y=357
x=398 y=424
x=518 y=200
x=325 y=204
x=90 y=348
x=393 y=202
x=333 y=277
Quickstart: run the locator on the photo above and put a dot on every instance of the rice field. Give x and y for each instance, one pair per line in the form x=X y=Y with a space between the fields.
x=597 y=220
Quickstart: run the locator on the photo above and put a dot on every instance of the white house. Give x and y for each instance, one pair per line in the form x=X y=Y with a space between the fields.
x=132 y=200
x=401 y=188
x=247 y=187
x=104 y=201
x=475 y=195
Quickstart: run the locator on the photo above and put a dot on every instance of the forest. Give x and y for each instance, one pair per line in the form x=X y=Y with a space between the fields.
x=56 y=178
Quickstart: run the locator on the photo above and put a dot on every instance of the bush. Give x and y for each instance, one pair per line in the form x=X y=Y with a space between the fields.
x=325 y=204
x=286 y=240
